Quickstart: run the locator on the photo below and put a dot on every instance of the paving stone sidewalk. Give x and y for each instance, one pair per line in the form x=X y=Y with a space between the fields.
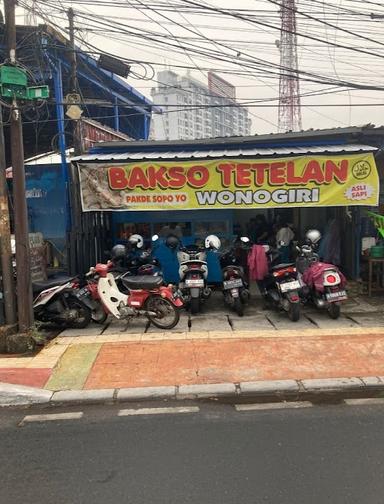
x=126 y=360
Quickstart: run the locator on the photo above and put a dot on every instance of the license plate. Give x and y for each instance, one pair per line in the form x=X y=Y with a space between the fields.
x=82 y=292
x=233 y=284
x=194 y=282
x=336 y=296
x=290 y=286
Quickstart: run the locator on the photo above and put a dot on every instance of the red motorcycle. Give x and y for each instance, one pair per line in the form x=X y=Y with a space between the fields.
x=146 y=296
x=322 y=284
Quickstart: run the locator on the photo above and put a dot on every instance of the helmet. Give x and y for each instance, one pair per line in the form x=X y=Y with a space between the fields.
x=172 y=242
x=313 y=236
x=118 y=252
x=212 y=241
x=136 y=240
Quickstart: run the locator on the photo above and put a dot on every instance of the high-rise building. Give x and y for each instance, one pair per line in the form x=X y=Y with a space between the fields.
x=192 y=110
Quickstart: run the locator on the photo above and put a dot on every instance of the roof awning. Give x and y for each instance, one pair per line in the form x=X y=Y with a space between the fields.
x=227 y=153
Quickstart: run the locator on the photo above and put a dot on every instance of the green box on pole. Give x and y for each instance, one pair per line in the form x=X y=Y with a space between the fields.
x=37 y=92
x=13 y=75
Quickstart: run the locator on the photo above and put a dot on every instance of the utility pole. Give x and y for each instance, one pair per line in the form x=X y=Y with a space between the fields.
x=77 y=133
x=5 y=237
x=23 y=265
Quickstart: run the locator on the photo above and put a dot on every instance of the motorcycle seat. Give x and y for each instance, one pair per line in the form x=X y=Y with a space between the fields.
x=194 y=261
x=142 y=282
x=234 y=266
x=47 y=284
x=282 y=266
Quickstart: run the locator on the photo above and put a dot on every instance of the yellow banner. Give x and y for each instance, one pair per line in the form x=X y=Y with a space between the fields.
x=231 y=183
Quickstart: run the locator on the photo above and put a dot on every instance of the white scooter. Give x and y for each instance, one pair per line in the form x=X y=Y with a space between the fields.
x=193 y=270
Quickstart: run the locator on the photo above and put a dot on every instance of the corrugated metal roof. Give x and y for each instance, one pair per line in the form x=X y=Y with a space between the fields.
x=48 y=158
x=226 y=153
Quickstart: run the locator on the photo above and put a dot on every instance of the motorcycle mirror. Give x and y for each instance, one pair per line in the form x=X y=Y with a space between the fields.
x=244 y=239
x=155 y=237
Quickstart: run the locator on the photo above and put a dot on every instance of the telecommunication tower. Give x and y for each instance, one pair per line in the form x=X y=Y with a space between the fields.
x=289 y=86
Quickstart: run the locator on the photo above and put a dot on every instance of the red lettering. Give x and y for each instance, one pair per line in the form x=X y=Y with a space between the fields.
x=277 y=174
x=137 y=178
x=117 y=178
x=259 y=169
x=177 y=178
x=226 y=171
x=291 y=177
x=243 y=175
x=157 y=177
x=197 y=176
x=335 y=172
x=313 y=173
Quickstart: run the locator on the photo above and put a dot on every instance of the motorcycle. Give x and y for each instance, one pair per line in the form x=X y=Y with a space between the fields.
x=235 y=288
x=193 y=270
x=60 y=301
x=281 y=286
x=323 y=284
x=146 y=296
x=135 y=260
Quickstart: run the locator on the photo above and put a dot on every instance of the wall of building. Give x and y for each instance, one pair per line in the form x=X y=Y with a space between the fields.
x=191 y=110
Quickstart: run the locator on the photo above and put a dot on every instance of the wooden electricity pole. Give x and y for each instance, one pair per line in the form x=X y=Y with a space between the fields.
x=23 y=264
x=77 y=133
x=5 y=237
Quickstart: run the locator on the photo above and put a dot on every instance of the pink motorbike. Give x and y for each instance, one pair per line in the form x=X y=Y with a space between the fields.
x=323 y=284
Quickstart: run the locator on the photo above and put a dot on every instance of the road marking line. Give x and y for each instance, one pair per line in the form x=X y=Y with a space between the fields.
x=159 y=411
x=51 y=416
x=272 y=406
x=364 y=402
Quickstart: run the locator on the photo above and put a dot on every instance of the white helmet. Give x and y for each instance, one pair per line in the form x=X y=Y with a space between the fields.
x=313 y=236
x=136 y=240
x=212 y=241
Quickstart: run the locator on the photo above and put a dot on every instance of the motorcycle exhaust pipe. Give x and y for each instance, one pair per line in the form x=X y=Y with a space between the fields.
x=320 y=303
x=146 y=313
x=206 y=293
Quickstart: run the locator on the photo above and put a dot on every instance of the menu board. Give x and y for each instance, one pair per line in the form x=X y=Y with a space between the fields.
x=37 y=255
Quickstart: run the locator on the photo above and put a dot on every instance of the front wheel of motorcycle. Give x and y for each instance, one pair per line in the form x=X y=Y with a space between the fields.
x=167 y=314
x=84 y=314
x=294 y=312
x=333 y=310
x=239 y=307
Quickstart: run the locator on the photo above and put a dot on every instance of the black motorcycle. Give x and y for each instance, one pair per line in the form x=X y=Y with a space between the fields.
x=61 y=302
x=281 y=286
x=235 y=287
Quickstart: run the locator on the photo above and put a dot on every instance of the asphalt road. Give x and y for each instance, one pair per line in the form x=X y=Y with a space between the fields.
x=316 y=455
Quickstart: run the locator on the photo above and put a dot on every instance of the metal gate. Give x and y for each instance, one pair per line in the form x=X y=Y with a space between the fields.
x=90 y=235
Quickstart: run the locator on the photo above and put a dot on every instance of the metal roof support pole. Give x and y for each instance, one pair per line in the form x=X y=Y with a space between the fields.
x=146 y=126
x=59 y=100
x=116 y=115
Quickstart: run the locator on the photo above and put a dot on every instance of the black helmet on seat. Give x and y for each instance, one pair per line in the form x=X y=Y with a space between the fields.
x=118 y=252
x=172 y=242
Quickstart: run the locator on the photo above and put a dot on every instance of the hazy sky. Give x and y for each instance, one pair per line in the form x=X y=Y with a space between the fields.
x=238 y=43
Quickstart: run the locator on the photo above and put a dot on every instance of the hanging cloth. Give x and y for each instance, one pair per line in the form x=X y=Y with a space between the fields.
x=257 y=263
